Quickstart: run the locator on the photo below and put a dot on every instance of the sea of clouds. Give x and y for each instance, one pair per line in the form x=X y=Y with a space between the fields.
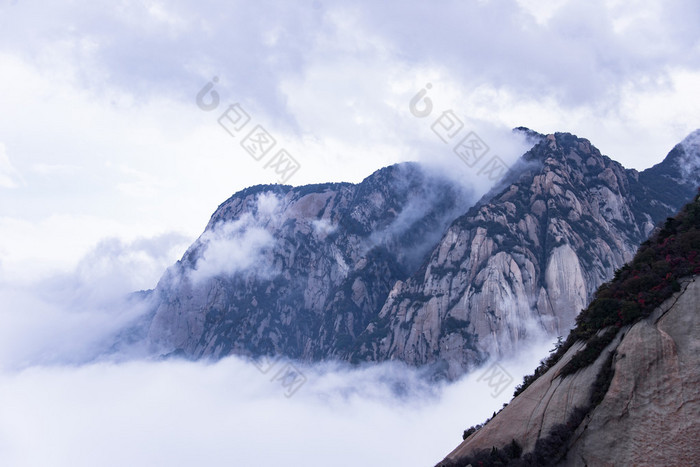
x=68 y=398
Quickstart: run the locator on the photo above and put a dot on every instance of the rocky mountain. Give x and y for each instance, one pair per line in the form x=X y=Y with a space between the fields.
x=405 y=266
x=624 y=389
x=529 y=256
x=301 y=271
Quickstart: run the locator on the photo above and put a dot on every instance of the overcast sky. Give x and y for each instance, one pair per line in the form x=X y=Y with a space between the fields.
x=100 y=135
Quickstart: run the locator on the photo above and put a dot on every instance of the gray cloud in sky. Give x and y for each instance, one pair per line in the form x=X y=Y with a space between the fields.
x=583 y=55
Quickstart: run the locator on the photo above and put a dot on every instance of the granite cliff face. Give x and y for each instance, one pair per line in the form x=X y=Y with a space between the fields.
x=405 y=266
x=528 y=257
x=631 y=398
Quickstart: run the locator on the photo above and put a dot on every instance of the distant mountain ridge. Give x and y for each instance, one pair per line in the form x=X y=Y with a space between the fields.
x=406 y=266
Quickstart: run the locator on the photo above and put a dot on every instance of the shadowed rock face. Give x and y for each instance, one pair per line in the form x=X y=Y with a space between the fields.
x=404 y=266
x=649 y=413
x=527 y=258
x=300 y=271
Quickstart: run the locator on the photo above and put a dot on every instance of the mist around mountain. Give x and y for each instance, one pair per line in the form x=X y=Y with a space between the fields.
x=78 y=367
x=301 y=271
x=408 y=265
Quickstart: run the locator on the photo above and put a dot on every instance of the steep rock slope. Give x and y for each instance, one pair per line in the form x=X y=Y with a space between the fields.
x=625 y=387
x=649 y=415
x=370 y=272
x=528 y=257
x=300 y=271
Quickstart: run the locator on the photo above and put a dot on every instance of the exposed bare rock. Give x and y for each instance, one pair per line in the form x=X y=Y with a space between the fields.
x=300 y=271
x=405 y=266
x=649 y=414
x=526 y=259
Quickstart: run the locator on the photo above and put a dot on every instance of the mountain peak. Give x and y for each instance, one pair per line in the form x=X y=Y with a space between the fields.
x=680 y=169
x=558 y=148
x=690 y=160
x=531 y=135
x=692 y=141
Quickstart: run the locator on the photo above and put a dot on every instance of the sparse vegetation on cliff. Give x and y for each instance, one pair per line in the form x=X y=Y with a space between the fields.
x=637 y=289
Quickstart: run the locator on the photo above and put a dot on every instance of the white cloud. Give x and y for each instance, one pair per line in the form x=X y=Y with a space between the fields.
x=55 y=169
x=323 y=227
x=542 y=10
x=101 y=112
x=121 y=268
x=231 y=247
x=139 y=184
x=229 y=413
x=72 y=317
x=43 y=326
x=36 y=250
x=67 y=398
x=9 y=176
x=268 y=205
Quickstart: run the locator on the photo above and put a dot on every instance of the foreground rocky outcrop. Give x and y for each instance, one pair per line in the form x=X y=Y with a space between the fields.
x=405 y=266
x=650 y=413
x=632 y=398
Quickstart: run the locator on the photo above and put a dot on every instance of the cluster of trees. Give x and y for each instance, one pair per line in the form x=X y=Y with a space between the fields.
x=473 y=429
x=452 y=324
x=508 y=455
